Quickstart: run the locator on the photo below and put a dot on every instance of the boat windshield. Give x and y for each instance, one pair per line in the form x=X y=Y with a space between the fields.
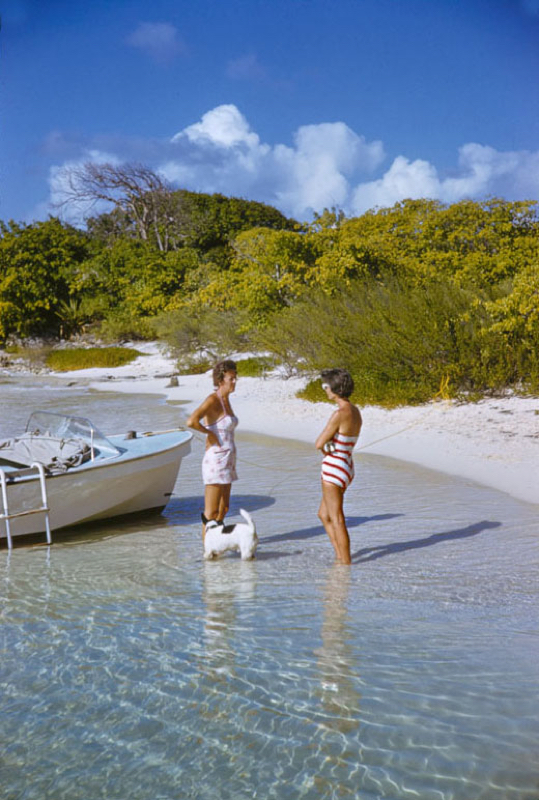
x=65 y=427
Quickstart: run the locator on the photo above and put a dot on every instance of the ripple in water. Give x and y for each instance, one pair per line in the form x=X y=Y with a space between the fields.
x=130 y=668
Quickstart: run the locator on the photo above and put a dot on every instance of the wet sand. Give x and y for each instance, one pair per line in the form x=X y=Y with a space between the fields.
x=494 y=442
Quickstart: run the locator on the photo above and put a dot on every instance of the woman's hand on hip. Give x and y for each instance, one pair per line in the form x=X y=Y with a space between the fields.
x=213 y=440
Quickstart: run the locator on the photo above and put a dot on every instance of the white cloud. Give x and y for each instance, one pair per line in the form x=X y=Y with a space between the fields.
x=316 y=172
x=159 y=40
x=327 y=164
x=486 y=170
x=482 y=171
x=60 y=180
x=222 y=153
x=404 y=179
x=223 y=126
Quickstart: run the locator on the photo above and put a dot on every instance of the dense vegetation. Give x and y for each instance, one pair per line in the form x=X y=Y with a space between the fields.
x=90 y=357
x=417 y=300
x=56 y=280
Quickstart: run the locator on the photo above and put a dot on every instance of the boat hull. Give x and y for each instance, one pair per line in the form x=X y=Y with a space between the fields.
x=139 y=480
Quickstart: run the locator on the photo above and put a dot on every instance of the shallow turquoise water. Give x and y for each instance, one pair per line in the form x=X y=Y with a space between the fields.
x=132 y=669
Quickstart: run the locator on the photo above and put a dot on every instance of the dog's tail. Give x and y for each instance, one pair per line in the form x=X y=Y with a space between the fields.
x=247 y=517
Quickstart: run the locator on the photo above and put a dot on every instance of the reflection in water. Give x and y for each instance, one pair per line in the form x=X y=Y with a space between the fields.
x=226 y=583
x=338 y=693
x=17 y=575
x=338 y=678
x=130 y=668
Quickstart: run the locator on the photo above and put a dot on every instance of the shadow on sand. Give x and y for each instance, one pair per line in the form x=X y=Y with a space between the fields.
x=186 y=510
x=318 y=530
x=372 y=553
x=179 y=511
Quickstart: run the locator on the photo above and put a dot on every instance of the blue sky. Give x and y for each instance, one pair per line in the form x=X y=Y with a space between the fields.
x=303 y=104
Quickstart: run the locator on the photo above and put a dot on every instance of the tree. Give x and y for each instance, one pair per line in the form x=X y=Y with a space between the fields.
x=201 y=221
x=38 y=266
x=330 y=218
x=133 y=276
x=268 y=271
x=144 y=197
x=479 y=243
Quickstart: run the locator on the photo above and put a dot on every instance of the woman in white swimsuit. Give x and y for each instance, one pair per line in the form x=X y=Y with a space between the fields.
x=337 y=442
x=219 y=462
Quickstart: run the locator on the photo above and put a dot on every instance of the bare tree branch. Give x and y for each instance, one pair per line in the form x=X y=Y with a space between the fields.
x=136 y=189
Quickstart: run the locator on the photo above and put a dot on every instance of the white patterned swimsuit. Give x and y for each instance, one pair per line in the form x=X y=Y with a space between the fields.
x=219 y=462
x=338 y=466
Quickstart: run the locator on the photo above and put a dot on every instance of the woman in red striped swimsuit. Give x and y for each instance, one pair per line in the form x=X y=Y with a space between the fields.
x=337 y=442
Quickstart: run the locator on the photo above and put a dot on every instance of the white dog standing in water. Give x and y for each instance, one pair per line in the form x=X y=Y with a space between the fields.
x=220 y=538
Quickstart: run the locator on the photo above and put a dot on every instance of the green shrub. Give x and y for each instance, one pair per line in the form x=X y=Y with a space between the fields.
x=191 y=330
x=313 y=392
x=123 y=326
x=252 y=367
x=87 y=358
x=255 y=366
x=387 y=396
x=403 y=344
x=194 y=366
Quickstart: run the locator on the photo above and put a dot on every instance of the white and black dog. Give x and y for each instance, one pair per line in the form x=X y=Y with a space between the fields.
x=220 y=537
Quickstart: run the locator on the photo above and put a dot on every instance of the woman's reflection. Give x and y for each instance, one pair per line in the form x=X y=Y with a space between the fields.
x=339 y=680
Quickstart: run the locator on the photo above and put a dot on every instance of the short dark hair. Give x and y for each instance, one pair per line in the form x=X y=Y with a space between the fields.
x=221 y=368
x=339 y=380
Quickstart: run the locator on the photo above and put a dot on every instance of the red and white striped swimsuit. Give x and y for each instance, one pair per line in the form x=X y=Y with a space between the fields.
x=338 y=466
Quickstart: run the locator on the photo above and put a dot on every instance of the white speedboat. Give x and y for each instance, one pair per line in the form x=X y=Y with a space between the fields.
x=62 y=471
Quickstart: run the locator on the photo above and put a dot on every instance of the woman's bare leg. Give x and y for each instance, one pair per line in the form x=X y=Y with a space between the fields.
x=325 y=519
x=214 y=502
x=332 y=515
x=224 y=500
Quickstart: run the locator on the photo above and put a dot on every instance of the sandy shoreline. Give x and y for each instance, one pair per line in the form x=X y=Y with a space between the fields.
x=494 y=442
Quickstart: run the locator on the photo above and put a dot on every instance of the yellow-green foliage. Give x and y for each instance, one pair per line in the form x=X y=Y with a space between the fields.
x=410 y=298
x=255 y=367
x=402 y=343
x=191 y=330
x=313 y=393
x=194 y=366
x=467 y=242
x=269 y=270
x=518 y=310
x=36 y=267
x=87 y=358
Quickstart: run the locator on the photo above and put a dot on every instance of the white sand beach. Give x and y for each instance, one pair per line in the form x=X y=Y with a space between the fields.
x=494 y=442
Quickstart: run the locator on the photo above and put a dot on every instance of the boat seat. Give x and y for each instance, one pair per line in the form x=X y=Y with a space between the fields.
x=55 y=453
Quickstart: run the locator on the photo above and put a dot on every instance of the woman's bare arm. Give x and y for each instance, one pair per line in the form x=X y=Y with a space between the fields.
x=329 y=431
x=206 y=409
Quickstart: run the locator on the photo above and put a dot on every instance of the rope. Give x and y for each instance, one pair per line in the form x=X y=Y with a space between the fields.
x=389 y=436
x=199 y=437
x=402 y=430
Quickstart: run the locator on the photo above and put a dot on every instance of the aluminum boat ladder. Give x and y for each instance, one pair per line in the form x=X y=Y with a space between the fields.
x=43 y=509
